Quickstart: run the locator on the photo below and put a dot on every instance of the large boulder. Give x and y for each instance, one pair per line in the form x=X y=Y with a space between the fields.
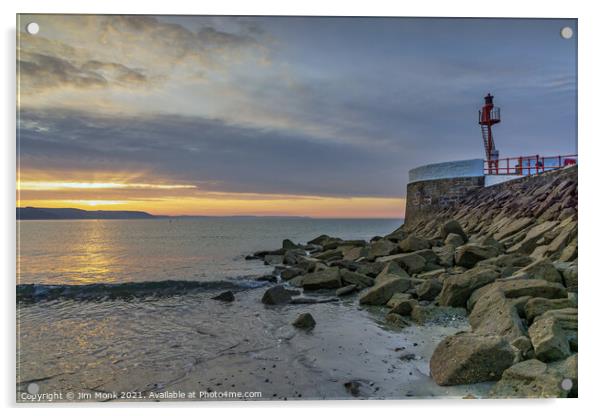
x=380 y=248
x=541 y=269
x=289 y=245
x=467 y=358
x=370 y=269
x=290 y=272
x=411 y=262
x=325 y=279
x=277 y=295
x=391 y=268
x=454 y=240
x=353 y=278
x=429 y=289
x=551 y=334
x=495 y=314
x=446 y=254
x=516 y=288
x=537 y=306
x=513 y=227
x=382 y=291
x=346 y=290
x=530 y=379
x=402 y=304
x=304 y=321
x=413 y=243
x=529 y=242
x=452 y=227
x=470 y=254
x=458 y=288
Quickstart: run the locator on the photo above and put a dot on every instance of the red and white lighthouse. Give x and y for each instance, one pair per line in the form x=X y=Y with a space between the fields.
x=488 y=116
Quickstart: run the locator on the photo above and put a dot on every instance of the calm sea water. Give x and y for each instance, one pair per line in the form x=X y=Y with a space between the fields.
x=88 y=251
x=107 y=312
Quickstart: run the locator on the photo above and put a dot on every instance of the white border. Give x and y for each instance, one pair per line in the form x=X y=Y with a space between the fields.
x=589 y=147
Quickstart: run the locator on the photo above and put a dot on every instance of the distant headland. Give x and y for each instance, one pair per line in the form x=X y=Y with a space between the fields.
x=33 y=213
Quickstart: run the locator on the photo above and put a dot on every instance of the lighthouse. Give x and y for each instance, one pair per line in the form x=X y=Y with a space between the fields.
x=488 y=116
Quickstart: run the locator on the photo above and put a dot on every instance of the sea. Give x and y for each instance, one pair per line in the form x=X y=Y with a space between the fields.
x=121 y=310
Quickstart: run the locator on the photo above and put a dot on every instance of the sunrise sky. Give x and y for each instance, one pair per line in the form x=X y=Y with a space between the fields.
x=318 y=117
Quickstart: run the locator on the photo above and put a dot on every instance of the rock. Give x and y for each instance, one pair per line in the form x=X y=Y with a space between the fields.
x=353 y=278
x=271 y=259
x=325 y=279
x=541 y=269
x=289 y=273
x=441 y=315
x=454 y=240
x=320 y=240
x=569 y=253
x=529 y=242
x=267 y=278
x=371 y=269
x=380 y=248
x=467 y=358
x=513 y=227
x=452 y=227
x=304 y=321
x=381 y=292
x=410 y=262
x=529 y=379
x=494 y=314
x=567 y=369
x=508 y=260
x=571 y=278
x=391 y=268
x=430 y=257
x=330 y=255
x=355 y=253
x=446 y=254
x=277 y=295
x=458 y=288
x=397 y=320
x=413 y=243
x=537 y=306
x=291 y=256
x=346 y=290
x=524 y=347
x=433 y=274
x=429 y=289
x=226 y=296
x=470 y=254
x=402 y=304
x=289 y=245
x=549 y=340
x=396 y=236
x=397 y=298
x=516 y=288
x=308 y=264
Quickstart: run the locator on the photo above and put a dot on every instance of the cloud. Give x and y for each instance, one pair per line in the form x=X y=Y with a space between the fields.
x=104 y=51
x=38 y=72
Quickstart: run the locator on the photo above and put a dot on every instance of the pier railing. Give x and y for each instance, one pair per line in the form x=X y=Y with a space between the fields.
x=527 y=165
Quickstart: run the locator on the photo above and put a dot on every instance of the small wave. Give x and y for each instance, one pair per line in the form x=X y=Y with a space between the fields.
x=129 y=290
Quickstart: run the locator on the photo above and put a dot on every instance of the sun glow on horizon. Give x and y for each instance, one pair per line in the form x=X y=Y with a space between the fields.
x=57 y=185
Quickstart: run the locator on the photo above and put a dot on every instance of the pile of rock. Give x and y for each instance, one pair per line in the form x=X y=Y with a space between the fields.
x=506 y=258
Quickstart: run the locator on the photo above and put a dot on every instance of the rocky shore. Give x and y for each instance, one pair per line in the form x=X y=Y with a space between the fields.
x=505 y=257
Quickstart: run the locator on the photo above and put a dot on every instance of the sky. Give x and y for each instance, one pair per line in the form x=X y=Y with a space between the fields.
x=309 y=116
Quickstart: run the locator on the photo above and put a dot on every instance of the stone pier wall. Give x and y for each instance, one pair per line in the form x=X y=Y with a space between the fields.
x=424 y=198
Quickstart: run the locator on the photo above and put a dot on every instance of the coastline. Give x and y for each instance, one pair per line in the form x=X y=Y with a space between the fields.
x=511 y=269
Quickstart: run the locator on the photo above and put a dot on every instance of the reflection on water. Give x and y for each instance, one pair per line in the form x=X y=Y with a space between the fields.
x=84 y=252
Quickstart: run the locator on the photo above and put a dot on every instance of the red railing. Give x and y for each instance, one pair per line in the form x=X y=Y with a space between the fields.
x=528 y=165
